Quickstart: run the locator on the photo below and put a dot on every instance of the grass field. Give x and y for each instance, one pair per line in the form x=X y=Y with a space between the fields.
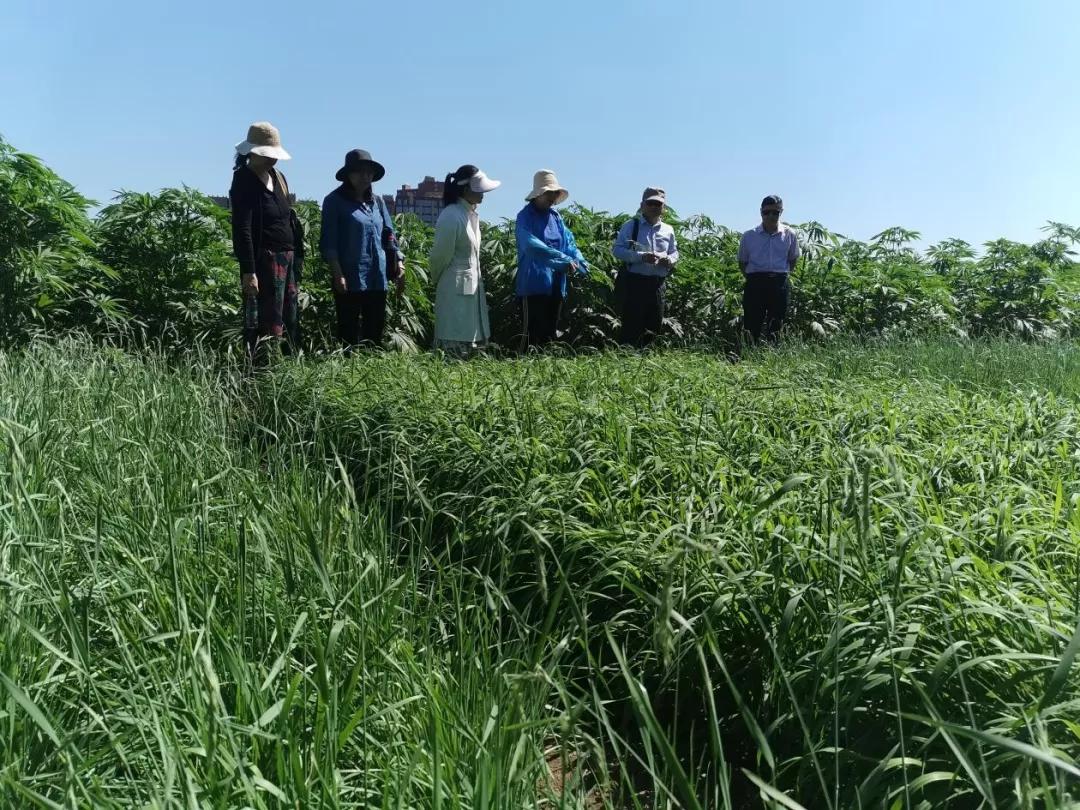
x=824 y=577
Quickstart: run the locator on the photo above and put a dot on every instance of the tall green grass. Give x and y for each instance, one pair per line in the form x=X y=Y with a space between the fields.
x=195 y=615
x=846 y=577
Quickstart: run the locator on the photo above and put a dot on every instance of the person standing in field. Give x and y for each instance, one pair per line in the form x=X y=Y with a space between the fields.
x=767 y=255
x=547 y=253
x=646 y=246
x=360 y=246
x=461 y=311
x=267 y=240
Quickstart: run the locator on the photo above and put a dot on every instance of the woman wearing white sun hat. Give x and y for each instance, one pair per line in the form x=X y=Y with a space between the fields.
x=547 y=252
x=461 y=312
x=266 y=239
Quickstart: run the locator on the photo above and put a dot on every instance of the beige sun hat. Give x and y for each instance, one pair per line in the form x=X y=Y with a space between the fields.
x=264 y=140
x=545 y=180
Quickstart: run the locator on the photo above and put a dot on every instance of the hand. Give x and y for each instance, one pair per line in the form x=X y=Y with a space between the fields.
x=648 y=258
x=249 y=284
x=574 y=266
x=399 y=282
x=339 y=284
x=664 y=261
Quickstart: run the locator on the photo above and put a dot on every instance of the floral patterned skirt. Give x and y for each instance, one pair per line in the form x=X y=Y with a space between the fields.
x=274 y=311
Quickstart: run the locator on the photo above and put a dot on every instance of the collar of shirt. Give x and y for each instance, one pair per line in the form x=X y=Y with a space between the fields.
x=780 y=229
x=538 y=221
x=472 y=219
x=542 y=215
x=367 y=200
x=658 y=224
x=255 y=183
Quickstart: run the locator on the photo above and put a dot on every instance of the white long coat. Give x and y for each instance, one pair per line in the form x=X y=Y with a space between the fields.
x=461 y=312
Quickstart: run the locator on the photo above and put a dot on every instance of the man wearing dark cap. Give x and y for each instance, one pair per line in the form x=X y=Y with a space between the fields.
x=646 y=246
x=767 y=255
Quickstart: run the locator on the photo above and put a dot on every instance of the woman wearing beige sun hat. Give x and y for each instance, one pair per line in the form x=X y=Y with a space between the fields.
x=267 y=239
x=547 y=252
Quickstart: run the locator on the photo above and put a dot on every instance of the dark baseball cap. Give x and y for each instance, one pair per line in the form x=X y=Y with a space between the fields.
x=772 y=199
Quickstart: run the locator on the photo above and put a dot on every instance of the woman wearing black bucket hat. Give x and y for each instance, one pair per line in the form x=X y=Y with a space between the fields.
x=360 y=245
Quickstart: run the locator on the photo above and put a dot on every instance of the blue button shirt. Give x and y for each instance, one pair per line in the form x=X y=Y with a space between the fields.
x=352 y=233
x=764 y=252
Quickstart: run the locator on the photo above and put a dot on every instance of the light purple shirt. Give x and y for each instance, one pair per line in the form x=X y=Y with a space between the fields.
x=765 y=252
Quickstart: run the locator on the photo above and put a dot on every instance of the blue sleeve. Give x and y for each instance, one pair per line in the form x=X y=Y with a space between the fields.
x=388 y=221
x=622 y=250
x=535 y=248
x=744 y=250
x=328 y=242
x=573 y=252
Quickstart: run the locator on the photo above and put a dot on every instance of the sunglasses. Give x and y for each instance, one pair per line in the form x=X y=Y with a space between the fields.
x=653 y=203
x=770 y=212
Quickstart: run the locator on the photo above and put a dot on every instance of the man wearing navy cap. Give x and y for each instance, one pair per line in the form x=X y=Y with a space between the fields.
x=767 y=255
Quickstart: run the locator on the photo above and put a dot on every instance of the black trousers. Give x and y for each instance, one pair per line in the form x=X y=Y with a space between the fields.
x=361 y=317
x=539 y=319
x=765 y=303
x=642 y=308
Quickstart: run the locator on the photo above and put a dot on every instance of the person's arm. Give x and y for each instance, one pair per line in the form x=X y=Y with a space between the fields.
x=622 y=250
x=242 y=209
x=744 y=255
x=672 y=255
x=793 y=252
x=577 y=260
x=389 y=220
x=535 y=248
x=442 y=248
x=328 y=243
x=242 y=230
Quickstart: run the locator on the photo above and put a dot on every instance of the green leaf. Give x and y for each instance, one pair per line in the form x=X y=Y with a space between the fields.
x=31 y=708
x=1060 y=675
x=772 y=792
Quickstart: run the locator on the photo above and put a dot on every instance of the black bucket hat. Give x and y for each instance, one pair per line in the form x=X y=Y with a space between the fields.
x=356 y=158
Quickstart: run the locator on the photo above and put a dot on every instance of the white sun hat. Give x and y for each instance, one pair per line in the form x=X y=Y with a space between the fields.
x=480 y=183
x=264 y=140
x=545 y=180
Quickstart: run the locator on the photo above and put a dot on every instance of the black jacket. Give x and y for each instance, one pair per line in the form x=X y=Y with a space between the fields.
x=261 y=219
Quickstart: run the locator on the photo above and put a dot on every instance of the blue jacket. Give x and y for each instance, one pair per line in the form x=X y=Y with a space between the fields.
x=546 y=247
x=352 y=234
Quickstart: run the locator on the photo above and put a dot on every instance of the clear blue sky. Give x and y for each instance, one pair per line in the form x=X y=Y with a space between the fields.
x=955 y=118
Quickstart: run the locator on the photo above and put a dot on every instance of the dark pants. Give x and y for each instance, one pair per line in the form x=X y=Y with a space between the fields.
x=765 y=303
x=361 y=317
x=273 y=313
x=539 y=319
x=642 y=308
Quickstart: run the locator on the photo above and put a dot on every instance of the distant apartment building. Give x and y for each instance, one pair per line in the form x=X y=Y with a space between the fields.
x=425 y=200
